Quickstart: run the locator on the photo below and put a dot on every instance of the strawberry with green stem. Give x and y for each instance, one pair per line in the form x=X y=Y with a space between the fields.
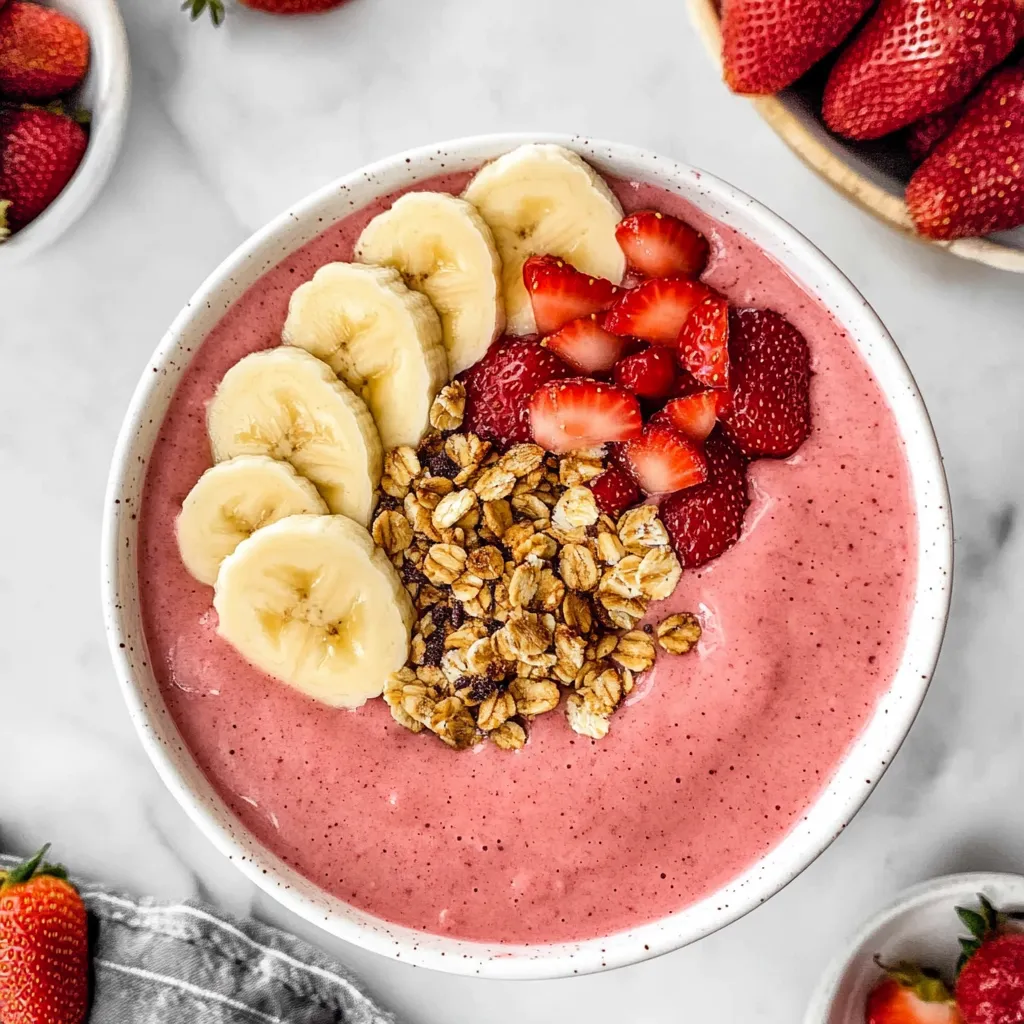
x=990 y=973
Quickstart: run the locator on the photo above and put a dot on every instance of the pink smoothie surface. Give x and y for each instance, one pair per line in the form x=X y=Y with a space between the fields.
x=716 y=757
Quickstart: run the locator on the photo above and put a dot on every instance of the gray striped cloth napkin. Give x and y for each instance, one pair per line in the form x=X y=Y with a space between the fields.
x=155 y=963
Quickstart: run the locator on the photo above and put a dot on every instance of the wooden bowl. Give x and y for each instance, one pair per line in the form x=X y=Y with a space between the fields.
x=872 y=175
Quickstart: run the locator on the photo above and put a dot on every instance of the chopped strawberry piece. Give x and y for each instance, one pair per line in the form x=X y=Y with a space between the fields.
x=662 y=460
x=560 y=293
x=705 y=521
x=586 y=345
x=581 y=413
x=499 y=386
x=770 y=413
x=614 y=492
x=704 y=340
x=656 y=309
x=657 y=245
x=694 y=416
x=648 y=374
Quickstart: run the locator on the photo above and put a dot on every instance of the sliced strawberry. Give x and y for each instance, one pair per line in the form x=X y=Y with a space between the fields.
x=560 y=293
x=581 y=413
x=498 y=388
x=704 y=340
x=662 y=460
x=614 y=492
x=770 y=413
x=586 y=345
x=694 y=416
x=704 y=521
x=657 y=245
x=656 y=309
x=909 y=995
x=648 y=374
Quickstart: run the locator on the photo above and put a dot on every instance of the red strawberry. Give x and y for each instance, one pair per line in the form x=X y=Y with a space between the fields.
x=656 y=309
x=39 y=153
x=657 y=245
x=990 y=982
x=43 y=53
x=648 y=374
x=585 y=345
x=910 y=995
x=770 y=410
x=694 y=416
x=924 y=135
x=916 y=57
x=769 y=44
x=44 y=946
x=216 y=7
x=974 y=181
x=498 y=388
x=560 y=293
x=661 y=460
x=614 y=492
x=704 y=521
x=704 y=342
x=580 y=413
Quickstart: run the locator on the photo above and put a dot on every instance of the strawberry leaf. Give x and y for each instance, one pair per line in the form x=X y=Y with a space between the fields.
x=197 y=7
x=990 y=914
x=973 y=922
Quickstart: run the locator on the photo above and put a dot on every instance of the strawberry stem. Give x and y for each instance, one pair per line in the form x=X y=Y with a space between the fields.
x=196 y=8
x=34 y=867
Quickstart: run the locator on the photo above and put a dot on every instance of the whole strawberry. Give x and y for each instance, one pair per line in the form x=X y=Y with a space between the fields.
x=39 y=153
x=973 y=182
x=909 y=994
x=44 y=955
x=916 y=57
x=769 y=44
x=43 y=53
x=215 y=8
x=990 y=983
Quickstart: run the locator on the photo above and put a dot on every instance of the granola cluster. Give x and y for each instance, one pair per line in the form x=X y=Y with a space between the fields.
x=523 y=587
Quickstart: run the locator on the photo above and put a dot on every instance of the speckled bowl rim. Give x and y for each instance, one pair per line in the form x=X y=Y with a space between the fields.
x=823 y=821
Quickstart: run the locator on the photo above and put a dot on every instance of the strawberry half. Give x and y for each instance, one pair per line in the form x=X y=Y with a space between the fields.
x=560 y=293
x=581 y=413
x=770 y=410
x=499 y=386
x=658 y=245
x=694 y=416
x=769 y=44
x=704 y=342
x=705 y=521
x=910 y=995
x=648 y=374
x=614 y=492
x=974 y=181
x=585 y=345
x=661 y=460
x=656 y=309
x=916 y=57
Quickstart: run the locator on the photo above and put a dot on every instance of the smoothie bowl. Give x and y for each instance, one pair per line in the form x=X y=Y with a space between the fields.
x=611 y=486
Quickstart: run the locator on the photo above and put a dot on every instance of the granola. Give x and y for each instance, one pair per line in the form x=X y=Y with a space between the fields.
x=526 y=593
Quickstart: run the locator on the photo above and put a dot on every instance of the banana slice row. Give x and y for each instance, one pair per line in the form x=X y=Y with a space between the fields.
x=278 y=525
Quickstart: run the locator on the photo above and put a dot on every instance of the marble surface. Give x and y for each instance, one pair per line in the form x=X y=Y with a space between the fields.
x=230 y=126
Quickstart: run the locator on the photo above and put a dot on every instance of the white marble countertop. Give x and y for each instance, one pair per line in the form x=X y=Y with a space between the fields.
x=230 y=126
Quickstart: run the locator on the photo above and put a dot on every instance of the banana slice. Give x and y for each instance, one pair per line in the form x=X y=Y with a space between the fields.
x=383 y=340
x=233 y=499
x=312 y=602
x=289 y=405
x=542 y=199
x=445 y=250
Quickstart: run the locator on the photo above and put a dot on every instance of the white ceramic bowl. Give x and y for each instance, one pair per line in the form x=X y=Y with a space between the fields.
x=105 y=93
x=920 y=926
x=854 y=779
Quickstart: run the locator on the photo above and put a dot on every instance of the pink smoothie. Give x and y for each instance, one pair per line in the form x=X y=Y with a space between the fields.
x=714 y=760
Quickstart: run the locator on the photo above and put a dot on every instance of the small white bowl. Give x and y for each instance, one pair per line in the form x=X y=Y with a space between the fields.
x=854 y=778
x=920 y=926
x=105 y=94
